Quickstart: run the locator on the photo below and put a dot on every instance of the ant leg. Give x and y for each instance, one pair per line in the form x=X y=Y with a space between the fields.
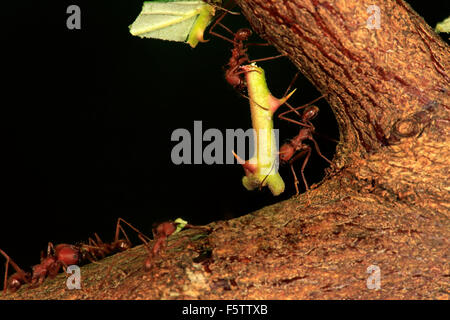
x=292 y=109
x=292 y=83
x=282 y=117
x=144 y=241
x=119 y=228
x=295 y=179
x=223 y=8
x=103 y=250
x=307 y=150
x=50 y=248
x=217 y=22
x=92 y=242
x=268 y=58
x=5 y=281
x=304 y=165
x=54 y=269
x=99 y=241
x=318 y=151
x=247 y=97
x=132 y=227
x=11 y=261
x=125 y=234
x=221 y=37
x=90 y=256
x=265 y=44
x=301 y=107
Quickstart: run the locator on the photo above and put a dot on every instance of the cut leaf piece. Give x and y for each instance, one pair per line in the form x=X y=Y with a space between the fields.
x=180 y=224
x=182 y=21
x=443 y=26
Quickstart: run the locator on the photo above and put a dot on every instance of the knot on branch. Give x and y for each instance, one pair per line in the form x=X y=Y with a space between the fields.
x=414 y=125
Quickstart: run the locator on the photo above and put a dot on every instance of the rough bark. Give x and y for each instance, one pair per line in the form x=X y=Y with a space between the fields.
x=386 y=202
x=388 y=88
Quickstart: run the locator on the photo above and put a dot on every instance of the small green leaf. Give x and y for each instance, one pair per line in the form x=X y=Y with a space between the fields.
x=180 y=224
x=443 y=26
x=182 y=21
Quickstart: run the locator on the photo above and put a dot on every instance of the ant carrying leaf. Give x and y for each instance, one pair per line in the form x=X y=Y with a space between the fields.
x=173 y=20
x=234 y=75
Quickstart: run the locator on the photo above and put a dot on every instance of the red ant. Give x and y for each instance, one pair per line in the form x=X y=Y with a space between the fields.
x=64 y=255
x=160 y=235
x=95 y=249
x=233 y=73
x=296 y=148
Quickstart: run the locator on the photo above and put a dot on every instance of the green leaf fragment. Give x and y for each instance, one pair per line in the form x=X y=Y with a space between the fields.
x=443 y=26
x=182 y=21
x=180 y=224
x=204 y=18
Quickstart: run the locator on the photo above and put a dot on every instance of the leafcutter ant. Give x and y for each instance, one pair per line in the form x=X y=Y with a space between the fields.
x=296 y=148
x=160 y=235
x=63 y=255
x=95 y=249
x=234 y=74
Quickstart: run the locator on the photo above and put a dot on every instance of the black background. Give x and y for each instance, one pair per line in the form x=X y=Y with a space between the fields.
x=87 y=116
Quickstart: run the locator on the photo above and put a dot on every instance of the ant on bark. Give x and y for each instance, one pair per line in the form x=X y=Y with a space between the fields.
x=234 y=73
x=296 y=148
x=160 y=234
x=95 y=249
x=63 y=255
x=49 y=266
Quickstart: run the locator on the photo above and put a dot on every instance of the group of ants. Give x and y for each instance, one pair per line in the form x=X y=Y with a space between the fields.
x=63 y=255
x=295 y=148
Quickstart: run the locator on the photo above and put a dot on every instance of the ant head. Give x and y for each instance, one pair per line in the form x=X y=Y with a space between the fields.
x=14 y=284
x=286 y=152
x=243 y=34
x=310 y=113
x=17 y=279
x=166 y=228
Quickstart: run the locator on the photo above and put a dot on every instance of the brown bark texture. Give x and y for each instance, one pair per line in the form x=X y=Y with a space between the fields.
x=385 y=203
